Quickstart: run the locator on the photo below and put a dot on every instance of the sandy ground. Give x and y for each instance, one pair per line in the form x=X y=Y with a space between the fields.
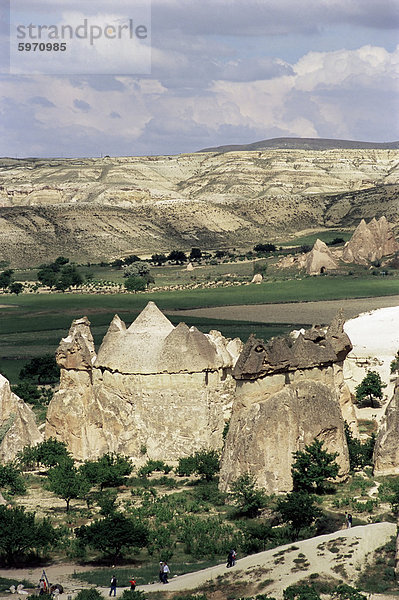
x=339 y=555
x=298 y=312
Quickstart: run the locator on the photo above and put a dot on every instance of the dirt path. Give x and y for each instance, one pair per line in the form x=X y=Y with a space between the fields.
x=299 y=312
x=339 y=555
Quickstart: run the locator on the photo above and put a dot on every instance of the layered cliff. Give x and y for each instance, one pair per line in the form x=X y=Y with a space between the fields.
x=97 y=208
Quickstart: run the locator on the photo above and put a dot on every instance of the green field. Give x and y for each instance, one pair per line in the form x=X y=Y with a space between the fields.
x=326 y=236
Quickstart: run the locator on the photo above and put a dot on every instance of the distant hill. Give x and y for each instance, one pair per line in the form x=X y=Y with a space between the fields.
x=287 y=143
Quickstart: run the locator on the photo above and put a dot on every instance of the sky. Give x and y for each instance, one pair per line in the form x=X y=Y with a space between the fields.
x=208 y=73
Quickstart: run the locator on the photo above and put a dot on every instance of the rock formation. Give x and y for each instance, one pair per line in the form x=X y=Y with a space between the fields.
x=257 y=278
x=153 y=391
x=370 y=242
x=320 y=259
x=386 y=449
x=17 y=423
x=287 y=395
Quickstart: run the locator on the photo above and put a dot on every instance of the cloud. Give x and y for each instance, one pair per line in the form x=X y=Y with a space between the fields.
x=114 y=115
x=39 y=100
x=82 y=105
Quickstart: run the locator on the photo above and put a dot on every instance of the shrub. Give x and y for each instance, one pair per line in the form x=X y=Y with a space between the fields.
x=246 y=496
x=91 y=594
x=312 y=467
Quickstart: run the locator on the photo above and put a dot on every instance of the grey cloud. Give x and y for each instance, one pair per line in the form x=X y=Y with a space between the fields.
x=41 y=101
x=115 y=115
x=82 y=105
x=98 y=82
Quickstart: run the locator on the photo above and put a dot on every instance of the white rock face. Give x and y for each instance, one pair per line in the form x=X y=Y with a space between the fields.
x=155 y=386
x=18 y=419
x=375 y=339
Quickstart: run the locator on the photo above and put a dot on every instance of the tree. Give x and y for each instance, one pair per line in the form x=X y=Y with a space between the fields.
x=159 y=259
x=69 y=277
x=135 y=283
x=312 y=467
x=195 y=254
x=6 y=278
x=16 y=288
x=21 y=532
x=264 y=248
x=132 y=258
x=113 y=535
x=42 y=369
x=360 y=453
x=298 y=509
x=11 y=478
x=369 y=391
x=139 y=269
x=207 y=464
x=108 y=471
x=247 y=496
x=67 y=482
x=177 y=256
x=51 y=453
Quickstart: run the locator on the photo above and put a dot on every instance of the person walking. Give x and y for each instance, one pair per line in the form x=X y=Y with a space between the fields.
x=165 y=573
x=113 y=585
x=349 y=520
x=132 y=584
x=161 y=571
x=230 y=559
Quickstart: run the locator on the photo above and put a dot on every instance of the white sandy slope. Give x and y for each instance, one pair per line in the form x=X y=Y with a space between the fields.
x=375 y=339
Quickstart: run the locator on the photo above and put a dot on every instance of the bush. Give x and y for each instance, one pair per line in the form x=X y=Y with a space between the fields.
x=360 y=453
x=91 y=594
x=246 y=496
x=42 y=370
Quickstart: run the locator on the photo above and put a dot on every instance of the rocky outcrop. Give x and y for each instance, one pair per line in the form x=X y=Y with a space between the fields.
x=17 y=423
x=320 y=259
x=386 y=449
x=287 y=395
x=153 y=391
x=370 y=242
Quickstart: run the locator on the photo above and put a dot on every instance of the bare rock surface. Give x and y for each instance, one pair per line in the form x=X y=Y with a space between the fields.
x=97 y=208
x=17 y=423
x=287 y=395
x=153 y=391
x=370 y=242
x=386 y=450
x=320 y=259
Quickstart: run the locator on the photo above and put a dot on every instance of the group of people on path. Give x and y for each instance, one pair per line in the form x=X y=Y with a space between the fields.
x=114 y=584
x=231 y=558
x=163 y=572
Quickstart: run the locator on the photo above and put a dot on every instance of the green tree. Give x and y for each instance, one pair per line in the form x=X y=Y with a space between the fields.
x=11 y=479
x=195 y=254
x=135 y=283
x=41 y=369
x=177 y=256
x=16 y=288
x=369 y=391
x=69 y=277
x=247 y=496
x=21 y=532
x=312 y=467
x=159 y=259
x=298 y=509
x=299 y=591
x=51 y=453
x=108 y=471
x=207 y=464
x=67 y=482
x=264 y=248
x=132 y=258
x=113 y=535
x=360 y=453
x=6 y=278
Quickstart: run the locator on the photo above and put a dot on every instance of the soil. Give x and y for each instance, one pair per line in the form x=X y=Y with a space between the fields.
x=320 y=313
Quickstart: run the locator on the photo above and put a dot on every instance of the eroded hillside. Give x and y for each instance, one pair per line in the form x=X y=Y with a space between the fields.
x=102 y=208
